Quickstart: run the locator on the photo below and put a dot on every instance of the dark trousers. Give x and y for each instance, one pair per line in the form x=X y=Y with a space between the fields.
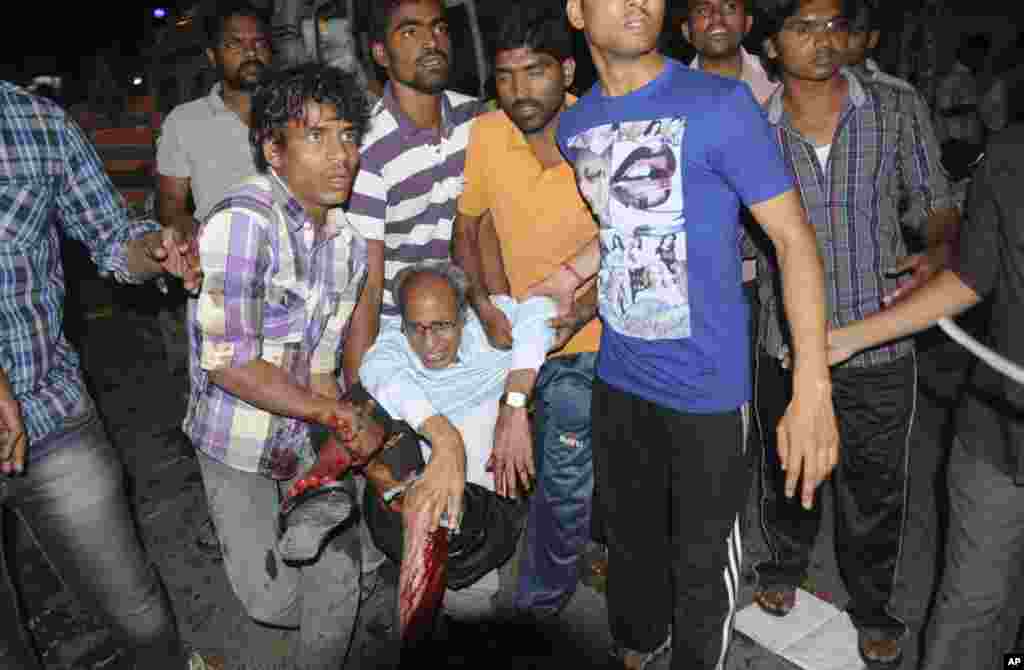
x=672 y=486
x=874 y=407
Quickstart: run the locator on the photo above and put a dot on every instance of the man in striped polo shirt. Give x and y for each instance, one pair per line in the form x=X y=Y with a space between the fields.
x=404 y=197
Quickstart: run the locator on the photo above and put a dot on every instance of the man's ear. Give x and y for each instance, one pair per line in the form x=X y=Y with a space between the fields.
x=568 y=72
x=211 y=56
x=273 y=151
x=769 y=48
x=873 y=38
x=574 y=10
x=685 y=29
x=380 y=54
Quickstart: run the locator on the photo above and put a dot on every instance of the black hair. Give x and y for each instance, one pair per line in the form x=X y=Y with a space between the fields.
x=748 y=6
x=380 y=17
x=283 y=97
x=533 y=26
x=973 y=49
x=863 y=14
x=776 y=12
x=214 y=22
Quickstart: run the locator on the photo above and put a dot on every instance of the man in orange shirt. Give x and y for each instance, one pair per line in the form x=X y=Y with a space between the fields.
x=515 y=172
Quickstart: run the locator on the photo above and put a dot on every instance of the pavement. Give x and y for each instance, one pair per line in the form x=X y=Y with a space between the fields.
x=142 y=401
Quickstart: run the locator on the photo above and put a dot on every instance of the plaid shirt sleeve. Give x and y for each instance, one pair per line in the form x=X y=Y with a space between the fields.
x=234 y=252
x=326 y=355
x=923 y=179
x=91 y=209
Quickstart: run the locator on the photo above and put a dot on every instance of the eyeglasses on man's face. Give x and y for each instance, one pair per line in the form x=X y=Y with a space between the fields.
x=805 y=28
x=439 y=328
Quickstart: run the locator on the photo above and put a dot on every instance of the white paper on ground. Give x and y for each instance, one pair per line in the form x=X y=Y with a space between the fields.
x=814 y=636
x=831 y=647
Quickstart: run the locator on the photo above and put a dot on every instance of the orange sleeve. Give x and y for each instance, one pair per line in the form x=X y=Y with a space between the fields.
x=476 y=198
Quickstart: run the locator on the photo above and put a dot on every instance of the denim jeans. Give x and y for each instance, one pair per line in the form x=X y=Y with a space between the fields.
x=74 y=504
x=321 y=599
x=558 y=524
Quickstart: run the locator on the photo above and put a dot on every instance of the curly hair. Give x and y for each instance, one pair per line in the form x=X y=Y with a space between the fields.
x=283 y=97
x=214 y=21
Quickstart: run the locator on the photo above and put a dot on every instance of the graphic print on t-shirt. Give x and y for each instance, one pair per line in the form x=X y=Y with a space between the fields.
x=631 y=175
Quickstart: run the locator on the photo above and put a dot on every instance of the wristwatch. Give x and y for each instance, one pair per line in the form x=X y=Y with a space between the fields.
x=514 y=399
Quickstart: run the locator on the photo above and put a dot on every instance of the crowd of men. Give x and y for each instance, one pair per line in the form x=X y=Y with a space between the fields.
x=599 y=308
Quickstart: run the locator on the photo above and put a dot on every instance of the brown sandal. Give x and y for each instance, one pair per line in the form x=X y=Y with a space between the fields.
x=778 y=601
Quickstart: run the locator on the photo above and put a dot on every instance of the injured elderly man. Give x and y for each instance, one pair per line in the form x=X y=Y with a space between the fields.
x=445 y=488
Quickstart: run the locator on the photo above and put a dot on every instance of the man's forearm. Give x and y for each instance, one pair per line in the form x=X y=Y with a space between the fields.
x=803 y=289
x=181 y=221
x=945 y=295
x=445 y=439
x=587 y=261
x=467 y=255
x=520 y=381
x=325 y=385
x=495 y=279
x=365 y=322
x=271 y=389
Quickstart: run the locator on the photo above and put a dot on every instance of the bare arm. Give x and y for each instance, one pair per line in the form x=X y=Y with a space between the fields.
x=808 y=439
x=471 y=257
x=941 y=234
x=325 y=385
x=172 y=204
x=945 y=295
x=561 y=285
x=271 y=389
x=512 y=454
x=366 y=317
x=495 y=279
x=444 y=478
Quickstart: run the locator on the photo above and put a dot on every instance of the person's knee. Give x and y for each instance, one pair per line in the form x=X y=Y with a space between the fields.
x=145 y=618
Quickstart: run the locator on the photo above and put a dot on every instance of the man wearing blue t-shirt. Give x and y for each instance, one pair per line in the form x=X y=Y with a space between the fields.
x=665 y=156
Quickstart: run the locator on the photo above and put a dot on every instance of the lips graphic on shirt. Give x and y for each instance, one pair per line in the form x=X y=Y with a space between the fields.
x=644 y=178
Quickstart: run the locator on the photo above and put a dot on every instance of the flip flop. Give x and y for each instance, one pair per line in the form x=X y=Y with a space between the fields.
x=307 y=520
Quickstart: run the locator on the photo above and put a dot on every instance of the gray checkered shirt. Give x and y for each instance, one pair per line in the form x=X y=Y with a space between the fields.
x=883 y=168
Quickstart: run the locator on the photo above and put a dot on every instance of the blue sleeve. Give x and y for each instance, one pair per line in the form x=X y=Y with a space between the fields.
x=747 y=155
x=387 y=374
x=562 y=139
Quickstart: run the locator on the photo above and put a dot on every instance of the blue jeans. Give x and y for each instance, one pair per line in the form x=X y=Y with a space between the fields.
x=558 y=524
x=74 y=504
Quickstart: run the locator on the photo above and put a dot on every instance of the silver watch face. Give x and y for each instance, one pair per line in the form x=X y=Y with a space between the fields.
x=514 y=399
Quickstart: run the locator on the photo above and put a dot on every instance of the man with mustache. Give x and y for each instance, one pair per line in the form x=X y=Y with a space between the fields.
x=670 y=400
x=515 y=171
x=204 y=144
x=203 y=148
x=859 y=150
x=403 y=200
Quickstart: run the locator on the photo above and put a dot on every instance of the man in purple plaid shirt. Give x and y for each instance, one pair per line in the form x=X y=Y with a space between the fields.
x=283 y=270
